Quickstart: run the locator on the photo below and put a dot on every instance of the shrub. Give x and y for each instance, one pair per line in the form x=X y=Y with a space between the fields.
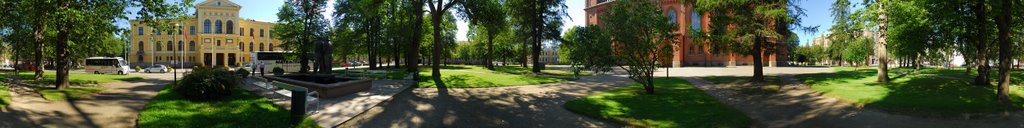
x=242 y=72
x=170 y=69
x=207 y=84
x=138 y=69
x=278 y=71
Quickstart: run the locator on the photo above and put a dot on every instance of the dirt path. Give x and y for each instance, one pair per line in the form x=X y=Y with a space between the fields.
x=796 y=105
x=116 y=107
x=518 y=106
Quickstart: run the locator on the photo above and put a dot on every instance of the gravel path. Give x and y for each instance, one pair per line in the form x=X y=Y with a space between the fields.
x=116 y=107
x=796 y=105
x=517 y=106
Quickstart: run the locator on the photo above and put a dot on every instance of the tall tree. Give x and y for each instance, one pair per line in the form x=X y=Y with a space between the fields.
x=751 y=24
x=438 y=9
x=1003 y=22
x=365 y=17
x=290 y=29
x=642 y=34
x=86 y=21
x=540 y=20
x=412 y=48
x=489 y=14
x=587 y=48
x=880 y=44
x=981 y=43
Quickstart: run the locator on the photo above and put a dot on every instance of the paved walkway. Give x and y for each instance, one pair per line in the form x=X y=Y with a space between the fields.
x=116 y=107
x=517 y=106
x=334 y=111
x=796 y=105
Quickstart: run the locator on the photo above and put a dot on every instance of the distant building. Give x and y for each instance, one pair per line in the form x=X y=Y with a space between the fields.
x=213 y=36
x=688 y=54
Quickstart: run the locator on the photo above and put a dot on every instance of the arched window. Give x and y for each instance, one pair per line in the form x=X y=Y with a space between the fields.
x=157 y=44
x=141 y=46
x=250 y=46
x=271 y=47
x=672 y=17
x=230 y=27
x=140 y=31
x=181 y=46
x=261 y=46
x=695 y=20
x=170 y=46
x=219 y=28
x=241 y=31
x=191 y=45
x=206 y=26
x=241 y=46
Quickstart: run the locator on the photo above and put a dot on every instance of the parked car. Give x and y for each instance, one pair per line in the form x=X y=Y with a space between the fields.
x=156 y=68
x=247 y=67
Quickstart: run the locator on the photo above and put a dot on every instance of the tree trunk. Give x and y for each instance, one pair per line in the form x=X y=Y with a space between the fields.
x=62 y=58
x=436 y=15
x=39 y=33
x=981 y=31
x=412 y=56
x=1005 y=52
x=758 y=70
x=490 y=50
x=537 y=45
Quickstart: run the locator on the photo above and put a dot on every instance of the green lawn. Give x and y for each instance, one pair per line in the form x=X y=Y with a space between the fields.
x=675 y=103
x=243 y=110
x=391 y=74
x=1016 y=76
x=77 y=79
x=771 y=84
x=73 y=92
x=910 y=93
x=465 y=76
x=5 y=96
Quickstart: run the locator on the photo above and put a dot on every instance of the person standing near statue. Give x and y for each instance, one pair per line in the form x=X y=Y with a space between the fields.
x=262 y=69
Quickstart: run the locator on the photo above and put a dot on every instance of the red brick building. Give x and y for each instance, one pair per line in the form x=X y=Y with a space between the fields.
x=688 y=54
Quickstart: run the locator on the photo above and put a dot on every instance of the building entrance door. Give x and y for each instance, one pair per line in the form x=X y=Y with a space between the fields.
x=232 y=59
x=220 y=59
x=208 y=59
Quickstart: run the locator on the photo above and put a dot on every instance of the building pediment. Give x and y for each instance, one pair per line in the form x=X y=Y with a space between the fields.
x=218 y=3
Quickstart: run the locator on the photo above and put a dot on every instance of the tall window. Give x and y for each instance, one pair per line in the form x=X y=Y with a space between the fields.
x=230 y=27
x=261 y=32
x=181 y=46
x=241 y=31
x=261 y=46
x=180 y=29
x=250 y=46
x=191 y=30
x=219 y=27
x=695 y=20
x=241 y=47
x=218 y=42
x=191 y=45
x=206 y=26
x=157 y=32
x=250 y=32
x=271 y=47
x=170 y=47
x=140 y=31
x=157 y=44
x=672 y=18
x=141 y=46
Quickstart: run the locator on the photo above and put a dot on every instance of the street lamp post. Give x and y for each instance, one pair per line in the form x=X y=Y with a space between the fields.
x=175 y=53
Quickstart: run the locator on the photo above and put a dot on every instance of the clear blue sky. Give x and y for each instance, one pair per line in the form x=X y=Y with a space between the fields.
x=818 y=14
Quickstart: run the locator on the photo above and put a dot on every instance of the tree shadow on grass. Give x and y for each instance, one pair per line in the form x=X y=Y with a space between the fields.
x=939 y=97
x=242 y=109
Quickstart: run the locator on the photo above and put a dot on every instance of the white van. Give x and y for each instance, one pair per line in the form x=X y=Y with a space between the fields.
x=106 y=65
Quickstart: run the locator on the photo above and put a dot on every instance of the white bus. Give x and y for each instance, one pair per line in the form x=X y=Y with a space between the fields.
x=271 y=59
x=106 y=65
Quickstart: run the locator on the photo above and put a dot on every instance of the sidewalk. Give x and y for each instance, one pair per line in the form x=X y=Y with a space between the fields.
x=796 y=105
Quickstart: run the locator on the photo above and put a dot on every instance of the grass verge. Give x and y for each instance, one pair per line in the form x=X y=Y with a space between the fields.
x=676 y=103
x=77 y=79
x=73 y=92
x=5 y=96
x=465 y=76
x=912 y=94
x=243 y=109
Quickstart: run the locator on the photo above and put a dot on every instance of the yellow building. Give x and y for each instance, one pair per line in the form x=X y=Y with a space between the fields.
x=213 y=36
